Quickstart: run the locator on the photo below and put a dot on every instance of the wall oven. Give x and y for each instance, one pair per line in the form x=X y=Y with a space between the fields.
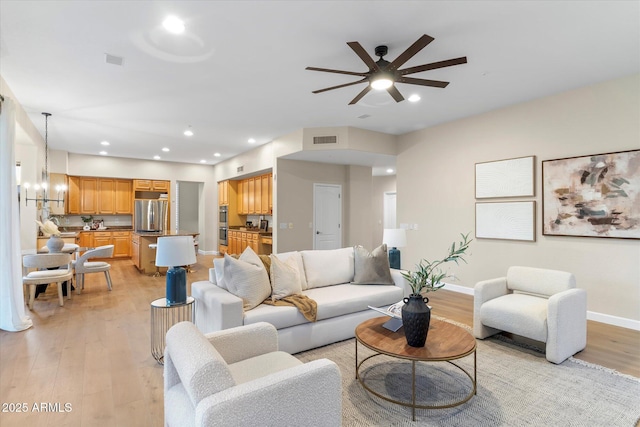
x=223 y=216
x=222 y=236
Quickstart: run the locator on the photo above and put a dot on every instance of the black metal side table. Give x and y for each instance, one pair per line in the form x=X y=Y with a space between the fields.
x=163 y=317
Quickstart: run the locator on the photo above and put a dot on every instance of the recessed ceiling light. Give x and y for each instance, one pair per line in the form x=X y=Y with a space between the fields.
x=252 y=141
x=165 y=149
x=103 y=153
x=188 y=132
x=173 y=24
x=217 y=154
x=390 y=170
x=156 y=157
x=414 y=98
x=105 y=143
x=203 y=161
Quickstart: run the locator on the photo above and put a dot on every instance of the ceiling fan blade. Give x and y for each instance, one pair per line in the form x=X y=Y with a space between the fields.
x=328 y=70
x=395 y=93
x=411 y=50
x=339 y=86
x=433 y=66
x=422 y=82
x=359 y=50
x=360 y=95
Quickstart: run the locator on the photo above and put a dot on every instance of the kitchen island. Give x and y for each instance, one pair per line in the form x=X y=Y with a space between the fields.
x=144 y=257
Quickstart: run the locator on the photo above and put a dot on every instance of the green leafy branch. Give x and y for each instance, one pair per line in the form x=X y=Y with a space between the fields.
x=428 y=275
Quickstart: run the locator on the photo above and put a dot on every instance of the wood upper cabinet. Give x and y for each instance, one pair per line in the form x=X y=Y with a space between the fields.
x=255 y=195
x=106 y=196
x=265 y=183
x=72 y=205
x=251 y=184
x=223 y=193
x=150 y=185
x=88 y=195
x=123 y=196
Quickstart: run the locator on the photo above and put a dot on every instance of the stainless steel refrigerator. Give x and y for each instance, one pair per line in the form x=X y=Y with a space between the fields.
x=151 y=215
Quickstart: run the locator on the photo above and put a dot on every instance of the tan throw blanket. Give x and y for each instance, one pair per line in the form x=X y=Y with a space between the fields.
x=307 y=306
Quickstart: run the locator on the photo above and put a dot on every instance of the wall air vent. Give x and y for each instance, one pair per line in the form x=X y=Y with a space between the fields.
x=240 y=169
x=325 y=140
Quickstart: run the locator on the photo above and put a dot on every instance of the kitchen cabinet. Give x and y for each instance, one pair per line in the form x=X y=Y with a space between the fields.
x=121 y=244
x=107 y=196
x=223 y=193
x=88 y=195
x=150 y=185
x=101 y=238
x=135 y=250
x=239 y=240
x=255 y=195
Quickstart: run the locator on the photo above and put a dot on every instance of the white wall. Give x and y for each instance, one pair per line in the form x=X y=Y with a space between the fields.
x=435 y=186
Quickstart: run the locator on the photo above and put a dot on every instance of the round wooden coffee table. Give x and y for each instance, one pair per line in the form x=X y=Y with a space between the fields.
x=445 y=342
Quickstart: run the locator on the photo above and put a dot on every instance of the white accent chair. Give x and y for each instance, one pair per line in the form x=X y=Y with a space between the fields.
x=83 y=266
x=42 y=262
x=237 y=377
x=540 y=304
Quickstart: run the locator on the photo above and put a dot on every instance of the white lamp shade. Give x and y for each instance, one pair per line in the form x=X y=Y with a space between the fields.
x=395 y=237
x=175 y=251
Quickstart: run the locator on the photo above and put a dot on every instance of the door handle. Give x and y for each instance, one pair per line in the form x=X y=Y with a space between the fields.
x=317 y=232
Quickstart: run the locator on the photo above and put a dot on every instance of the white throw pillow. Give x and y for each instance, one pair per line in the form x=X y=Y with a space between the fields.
x=218 y=268
x=285 y=278
x=247 y=278
x=328 y=267
x=298 y=259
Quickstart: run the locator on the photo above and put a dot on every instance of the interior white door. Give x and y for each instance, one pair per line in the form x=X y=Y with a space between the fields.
x=389 y=213
x=327 y=216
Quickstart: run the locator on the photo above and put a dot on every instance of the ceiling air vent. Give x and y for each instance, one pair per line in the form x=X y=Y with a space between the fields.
x=325 y=140
x=240 y=169
x=112 y=59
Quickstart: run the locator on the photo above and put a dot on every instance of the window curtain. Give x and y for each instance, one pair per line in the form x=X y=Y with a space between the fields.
x=12 y=313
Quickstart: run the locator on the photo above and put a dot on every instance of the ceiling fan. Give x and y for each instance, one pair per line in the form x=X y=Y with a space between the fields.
x=383 y=74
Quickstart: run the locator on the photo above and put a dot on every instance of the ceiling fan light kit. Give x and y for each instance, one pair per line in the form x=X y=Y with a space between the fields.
x=383 y=75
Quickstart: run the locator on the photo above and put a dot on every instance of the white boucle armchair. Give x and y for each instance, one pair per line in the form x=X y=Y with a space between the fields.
x=237 y=377
x=540 y=304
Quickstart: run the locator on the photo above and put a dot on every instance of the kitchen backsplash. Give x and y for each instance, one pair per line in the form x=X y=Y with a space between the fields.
x=109 y=220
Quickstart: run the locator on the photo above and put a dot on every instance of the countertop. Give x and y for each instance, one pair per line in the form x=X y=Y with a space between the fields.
x=165 y=233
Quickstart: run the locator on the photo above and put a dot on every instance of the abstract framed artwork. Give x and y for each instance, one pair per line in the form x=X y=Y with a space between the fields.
x=506 y=178
x=506 y=220
x=592 y=196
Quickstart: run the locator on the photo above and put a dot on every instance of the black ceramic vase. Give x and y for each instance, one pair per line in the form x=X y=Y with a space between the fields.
x=416 y=316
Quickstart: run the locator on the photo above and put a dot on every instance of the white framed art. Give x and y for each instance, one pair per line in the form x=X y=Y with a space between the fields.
x=506 y=220
x=506 y=178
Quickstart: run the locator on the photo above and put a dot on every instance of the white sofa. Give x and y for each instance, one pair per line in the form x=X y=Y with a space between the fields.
x=326 y=277
x=540 y=304
x=219 y=380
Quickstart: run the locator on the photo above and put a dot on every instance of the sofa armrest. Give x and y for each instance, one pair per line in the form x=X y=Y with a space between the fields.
x=567 y=324
x=309 y=394
x=212 y=276
x=400 y=281
x=232 y=343
x=216 y=308
x=484 y=291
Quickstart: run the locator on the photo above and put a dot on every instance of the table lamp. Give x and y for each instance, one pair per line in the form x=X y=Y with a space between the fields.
x=174 y=252
x=394 y=238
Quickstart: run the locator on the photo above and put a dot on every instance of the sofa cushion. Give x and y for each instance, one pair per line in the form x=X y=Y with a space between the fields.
x=285 y=278
x=218 y=268
x=247 y=278
x=371 y=268
x=328 y=267
x=332 y=301
x=520 y=314
x=298 y=258
x=539 y=281
x=262 y=365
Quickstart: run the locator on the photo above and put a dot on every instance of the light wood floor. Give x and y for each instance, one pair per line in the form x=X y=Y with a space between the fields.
x=94 y=353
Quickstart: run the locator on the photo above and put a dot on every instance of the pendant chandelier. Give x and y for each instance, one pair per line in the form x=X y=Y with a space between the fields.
x=41 y=189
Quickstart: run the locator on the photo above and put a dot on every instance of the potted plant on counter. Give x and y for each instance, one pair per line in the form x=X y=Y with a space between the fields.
x=87 y=221
x=416 y=314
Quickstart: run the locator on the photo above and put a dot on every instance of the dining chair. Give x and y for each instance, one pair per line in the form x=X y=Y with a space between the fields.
x=83 y=266
x=50 y=268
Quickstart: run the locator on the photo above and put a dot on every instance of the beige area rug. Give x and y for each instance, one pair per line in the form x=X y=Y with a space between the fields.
x=517 y=386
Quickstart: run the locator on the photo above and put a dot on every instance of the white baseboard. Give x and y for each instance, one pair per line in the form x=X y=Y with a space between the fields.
x=591 y=315
x=201 y=252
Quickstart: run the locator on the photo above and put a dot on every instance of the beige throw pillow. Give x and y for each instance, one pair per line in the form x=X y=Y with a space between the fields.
x=247 y=278
x=372 y=268
x=285 y=278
